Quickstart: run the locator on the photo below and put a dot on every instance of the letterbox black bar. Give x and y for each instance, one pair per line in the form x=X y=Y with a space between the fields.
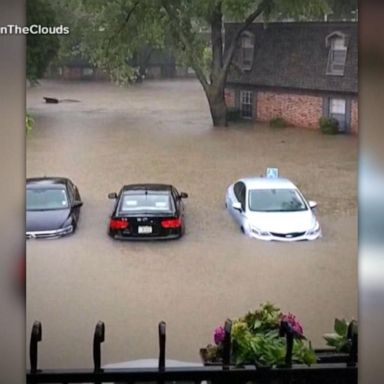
x=324 y=373
x=36 y=336
x=98 y=338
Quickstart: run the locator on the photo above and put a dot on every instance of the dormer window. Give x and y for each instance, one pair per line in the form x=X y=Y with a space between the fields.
x=337 y=56
x=246 y=52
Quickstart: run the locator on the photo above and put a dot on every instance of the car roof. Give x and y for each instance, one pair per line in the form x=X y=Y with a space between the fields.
x=147 y=187
x=267 y=183
x=52 y=182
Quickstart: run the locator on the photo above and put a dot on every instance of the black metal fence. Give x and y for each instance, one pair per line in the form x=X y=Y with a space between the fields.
x=322 y=373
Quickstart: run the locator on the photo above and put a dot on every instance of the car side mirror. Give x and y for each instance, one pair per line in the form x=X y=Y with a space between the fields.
x=77 y=203
x=112 y=195
x=183 y=195
x=312 y=204
x=236 y=205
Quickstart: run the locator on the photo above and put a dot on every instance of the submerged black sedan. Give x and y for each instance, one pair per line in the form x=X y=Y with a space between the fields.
x=147 y=212
x=53 y=207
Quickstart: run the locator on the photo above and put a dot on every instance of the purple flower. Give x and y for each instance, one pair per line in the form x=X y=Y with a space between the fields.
x=293 y=322
x=219 y=335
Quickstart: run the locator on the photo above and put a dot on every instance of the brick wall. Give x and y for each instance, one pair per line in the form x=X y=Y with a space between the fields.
x=298 y=110
x=229 y=95
x=354 y=117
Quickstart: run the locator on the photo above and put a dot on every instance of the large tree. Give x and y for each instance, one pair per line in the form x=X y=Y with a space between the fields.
x=111 y=32
x=41 y=49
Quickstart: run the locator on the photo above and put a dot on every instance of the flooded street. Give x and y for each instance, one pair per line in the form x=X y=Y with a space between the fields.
x=161 y=131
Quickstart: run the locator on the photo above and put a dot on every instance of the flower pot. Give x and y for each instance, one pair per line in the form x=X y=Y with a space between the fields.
x=329 y=355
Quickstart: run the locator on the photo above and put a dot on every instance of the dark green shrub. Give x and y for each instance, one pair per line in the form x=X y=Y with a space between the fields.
x=329 y=125
x=277 y=122
x=233 y=114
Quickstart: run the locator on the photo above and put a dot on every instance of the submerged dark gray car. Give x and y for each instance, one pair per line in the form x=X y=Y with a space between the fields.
x=52 y=207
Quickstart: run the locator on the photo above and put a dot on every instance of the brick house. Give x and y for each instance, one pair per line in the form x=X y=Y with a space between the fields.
x=299 y=71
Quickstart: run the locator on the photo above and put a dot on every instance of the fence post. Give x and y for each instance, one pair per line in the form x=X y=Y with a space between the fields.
x=352 y=336
x=287 y=331
x=162 y=341
x=227 y=344
x=98 y=338
x=36 y=336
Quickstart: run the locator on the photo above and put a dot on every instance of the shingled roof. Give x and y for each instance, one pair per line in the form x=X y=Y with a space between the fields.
x=294 y=55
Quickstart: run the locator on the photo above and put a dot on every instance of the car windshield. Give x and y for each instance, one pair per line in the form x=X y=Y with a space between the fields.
x=146 y=202
x=276 y=200
x=46 y=199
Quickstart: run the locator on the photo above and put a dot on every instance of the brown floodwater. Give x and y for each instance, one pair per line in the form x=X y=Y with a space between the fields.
x=160 y=131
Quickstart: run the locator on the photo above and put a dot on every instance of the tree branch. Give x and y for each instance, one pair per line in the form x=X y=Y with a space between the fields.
x=216 y=22
x=186 y=42
x=232 y=46
x=128 y=16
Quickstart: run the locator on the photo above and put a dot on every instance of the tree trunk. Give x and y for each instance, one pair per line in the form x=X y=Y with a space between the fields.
x=217 y=106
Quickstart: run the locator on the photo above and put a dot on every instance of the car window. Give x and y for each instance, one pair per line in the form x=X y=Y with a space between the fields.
x=71 y=191
x=275 y=200
x=46 y=199
x=177 y=200
x=239 y=190
x=150 y=202
x=242 y=196
x=236 y=189
x=175 y=195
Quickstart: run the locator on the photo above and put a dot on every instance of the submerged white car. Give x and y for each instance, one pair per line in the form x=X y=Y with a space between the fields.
x=272 y=209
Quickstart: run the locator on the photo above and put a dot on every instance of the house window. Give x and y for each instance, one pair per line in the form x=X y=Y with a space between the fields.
x=337 y=54
x=337 y=110
x=247 y=47
x=246 y=101
x=337 y=106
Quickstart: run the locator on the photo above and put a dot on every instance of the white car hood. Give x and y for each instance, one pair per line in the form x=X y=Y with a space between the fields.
x=282 y=222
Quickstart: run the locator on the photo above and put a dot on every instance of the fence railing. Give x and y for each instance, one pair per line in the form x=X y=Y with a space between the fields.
x=325 y=373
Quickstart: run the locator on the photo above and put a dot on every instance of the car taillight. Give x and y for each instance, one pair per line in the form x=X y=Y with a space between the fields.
x=171 y=223
x=118 y=223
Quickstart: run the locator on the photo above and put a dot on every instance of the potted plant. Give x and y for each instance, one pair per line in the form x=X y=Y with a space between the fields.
x=340 y=342
x=256 y=339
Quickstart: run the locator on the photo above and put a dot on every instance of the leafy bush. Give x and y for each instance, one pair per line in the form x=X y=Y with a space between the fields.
x=277 y=122
x=329 y=125
x=255 y=338
x=339 y=339
x=233 y=114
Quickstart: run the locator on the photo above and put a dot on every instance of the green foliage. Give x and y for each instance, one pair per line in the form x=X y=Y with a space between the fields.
x=277 y=122
x=109 y=33
x=255 y=338
x=263 y=319
x=329 y=125
x=41 y=49
x=296 y=9
x=29 y=122
x=212 y=352
x=302 y=353
x=339 y=339
x=343 y=9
